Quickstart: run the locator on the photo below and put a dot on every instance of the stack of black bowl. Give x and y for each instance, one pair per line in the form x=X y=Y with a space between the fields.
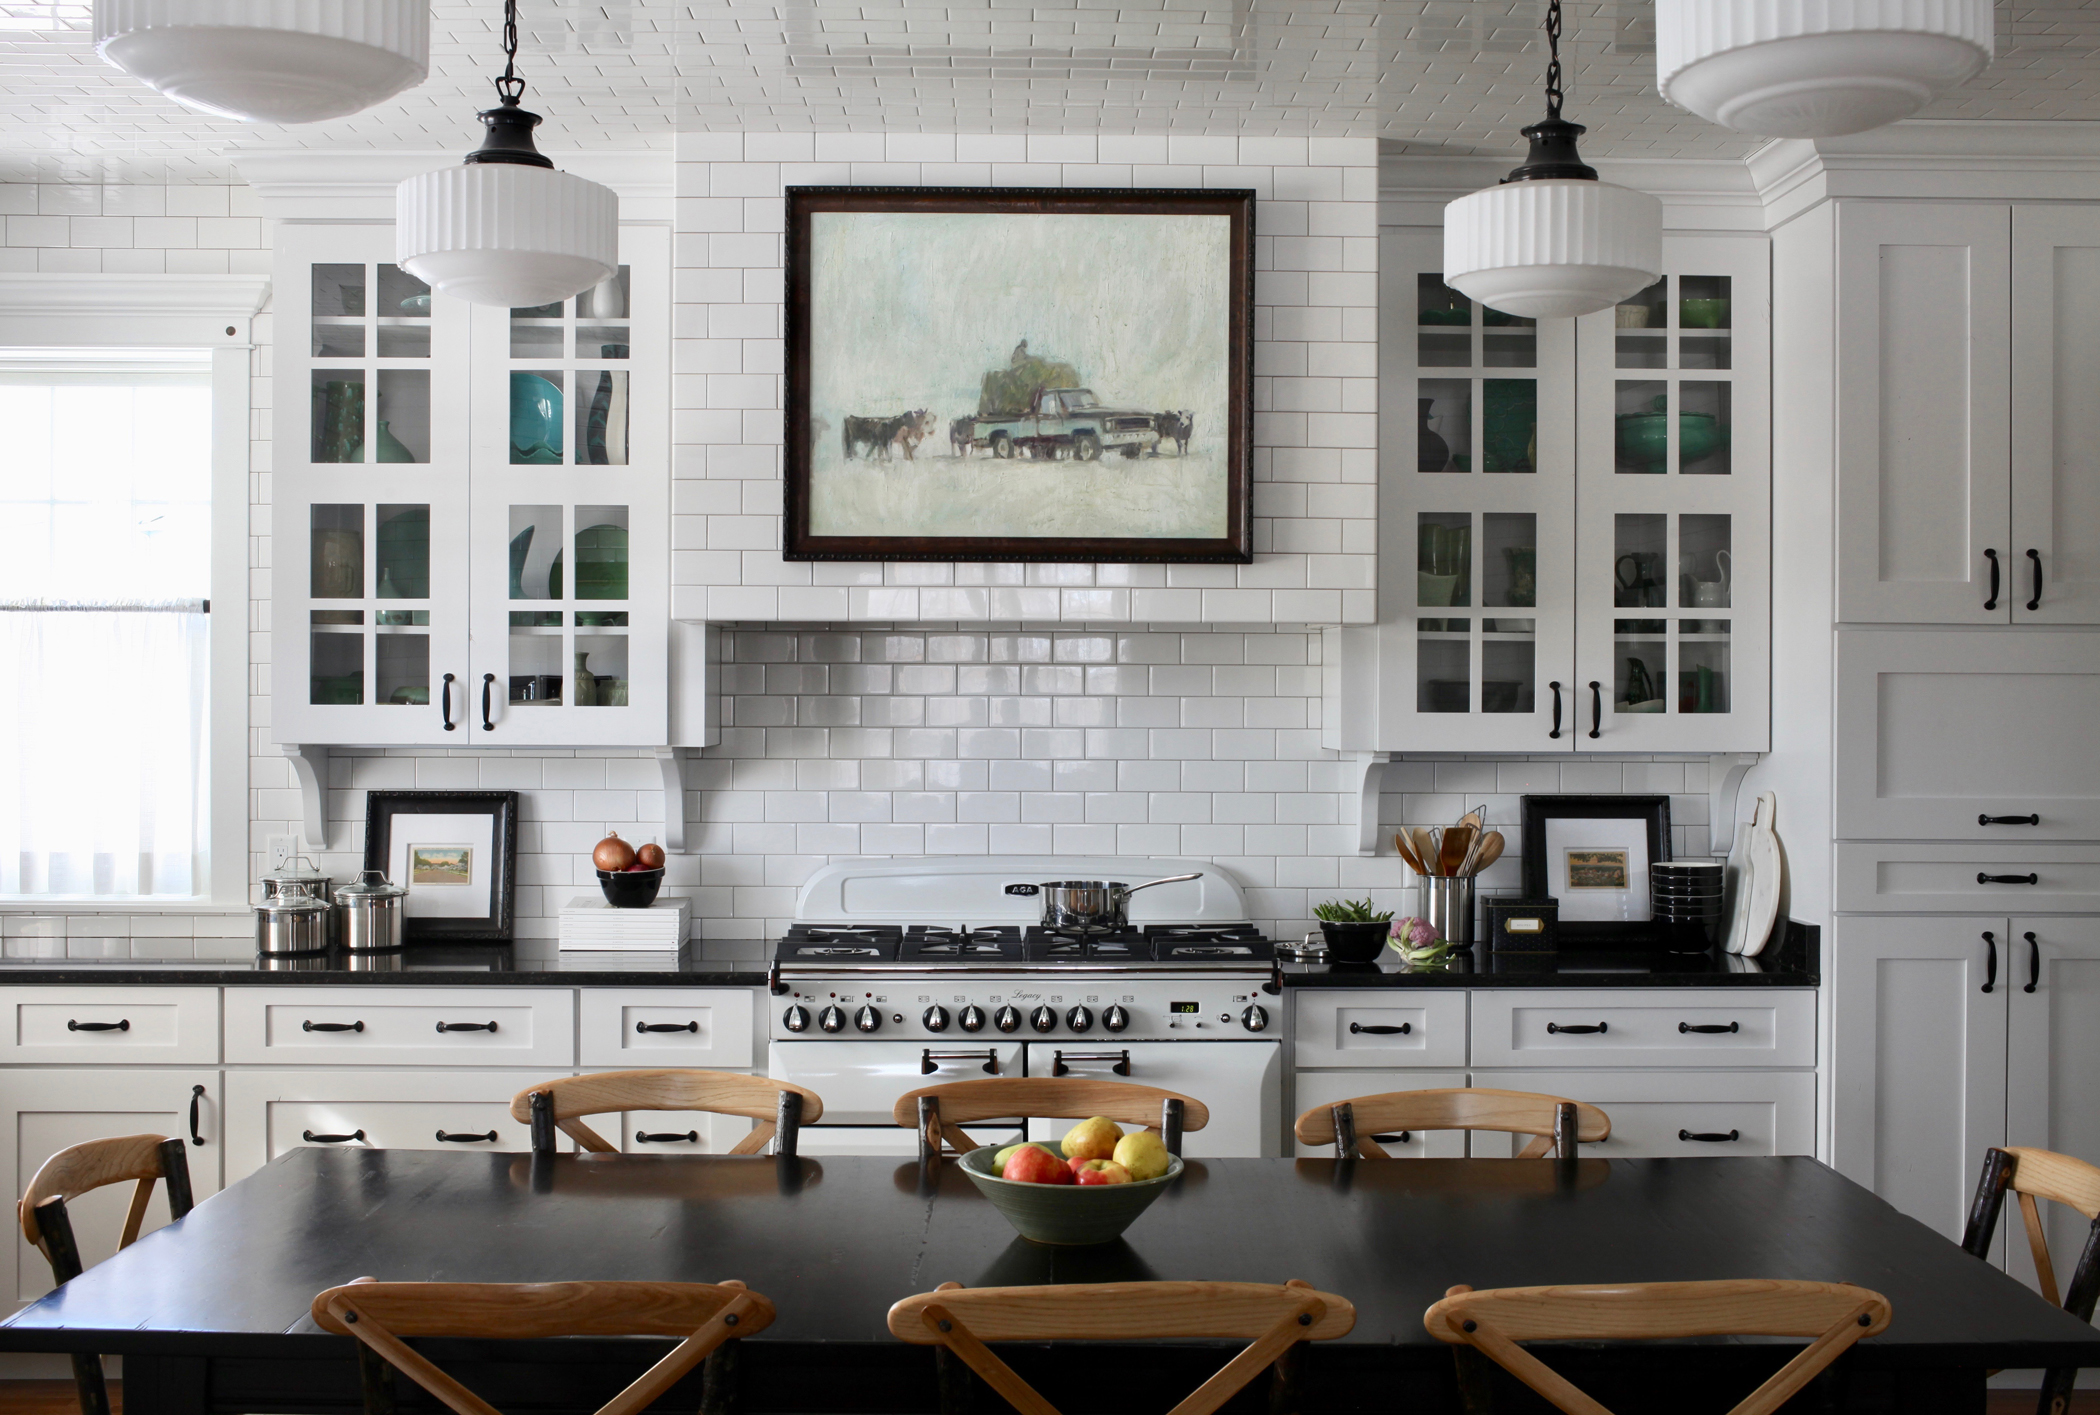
x=1687 y=901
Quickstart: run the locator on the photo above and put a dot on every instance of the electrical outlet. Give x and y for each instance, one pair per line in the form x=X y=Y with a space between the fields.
x=281 y=850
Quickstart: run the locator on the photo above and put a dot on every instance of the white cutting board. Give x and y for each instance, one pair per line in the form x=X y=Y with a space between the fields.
x=1766 y=874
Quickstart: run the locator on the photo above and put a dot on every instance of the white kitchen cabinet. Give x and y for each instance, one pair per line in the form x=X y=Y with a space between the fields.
x=1379 y=1027
x=1965 y=877
x=2055 y=417
x=632 y=1029
x=94 y=1026
x=1947 y=734
x=1326 y=1087
x=44 y=1110
x=1568 y=503
x=1659 y=1114
x=1643 y=1027
x=401 y=1026
x=271 y=1112
x=2053 y=1051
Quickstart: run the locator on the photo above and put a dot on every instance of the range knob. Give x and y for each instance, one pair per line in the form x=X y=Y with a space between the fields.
x=1079 y=1019
x=1115 y=1019
x=868 y=1019
x=832 y=1018
x=796 y=1018
x=1043 y=1019
x=1007 y=1019
x=936 y=1019
x=1255 y=1018
x=972 y=1018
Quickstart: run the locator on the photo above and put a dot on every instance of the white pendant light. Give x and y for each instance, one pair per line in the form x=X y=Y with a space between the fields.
x=270 y=61
x=504 y=228
x=1816 y=68
x=1551 y=241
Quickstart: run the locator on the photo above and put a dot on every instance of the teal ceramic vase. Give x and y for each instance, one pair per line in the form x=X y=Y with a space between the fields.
x=520 y=547
x=390 y=447
x=1644 y=437
x=586 y=689
x=339 y=421
x=404 y=554
x=1510 y=416
x=535 y=421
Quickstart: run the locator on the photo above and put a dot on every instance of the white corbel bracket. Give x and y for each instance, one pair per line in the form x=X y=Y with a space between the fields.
x=1365 y=776
x=671 y=762
x=310 y=770
x=1724 y=780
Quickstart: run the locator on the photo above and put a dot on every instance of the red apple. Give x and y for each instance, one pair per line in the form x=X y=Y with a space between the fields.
x=1099 y=1172
x=1030 y=1165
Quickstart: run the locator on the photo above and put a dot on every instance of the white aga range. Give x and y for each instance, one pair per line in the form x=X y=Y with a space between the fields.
x=898 y=974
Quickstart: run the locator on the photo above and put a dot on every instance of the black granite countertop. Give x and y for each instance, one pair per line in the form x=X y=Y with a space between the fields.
x=1793 y=961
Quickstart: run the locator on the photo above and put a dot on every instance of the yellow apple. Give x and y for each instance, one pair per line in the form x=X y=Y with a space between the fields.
x=1093 y=1139
x=1143 y=1153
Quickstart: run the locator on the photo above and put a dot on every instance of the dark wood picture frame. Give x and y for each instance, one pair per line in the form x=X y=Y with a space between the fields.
x=1593 y=933
x=1235 y=547
x=381 y=810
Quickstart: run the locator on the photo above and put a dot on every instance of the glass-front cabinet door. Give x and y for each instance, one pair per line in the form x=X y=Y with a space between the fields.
x=369 y=517
x=1673 y=500
x=571 y=511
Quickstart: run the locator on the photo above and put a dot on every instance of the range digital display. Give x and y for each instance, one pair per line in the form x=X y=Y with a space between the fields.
x=1182 y=1009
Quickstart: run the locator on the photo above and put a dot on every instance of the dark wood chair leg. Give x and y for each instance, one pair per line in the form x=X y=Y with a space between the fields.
x=175 y=1173
x=1997 y=1174
x=953 y=1378
x=1476 y=1389
x=1283 y=1381
x=718 y=1378
x=1564 y=1127
x=2079 y=1300
x=1170 y=1118
x=376 y=1379
x=88 y=1383
x=929 y=1129
x=787 y=1125
x=63 y=1251
x=1344 y=1131
x=543 y=1142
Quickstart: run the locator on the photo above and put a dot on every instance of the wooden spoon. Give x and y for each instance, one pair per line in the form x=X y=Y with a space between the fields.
x=1407 y=852
x=1490 y=851
x=1453 y=854
x=1425 y=848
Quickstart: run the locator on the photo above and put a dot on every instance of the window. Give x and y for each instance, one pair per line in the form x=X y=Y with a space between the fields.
x=105 y=579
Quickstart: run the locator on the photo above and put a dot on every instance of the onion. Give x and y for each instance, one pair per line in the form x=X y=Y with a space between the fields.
x=650 y=856
x=612 y=853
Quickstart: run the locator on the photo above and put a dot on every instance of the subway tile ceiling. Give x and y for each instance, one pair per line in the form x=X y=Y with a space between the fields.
x=1449 y=76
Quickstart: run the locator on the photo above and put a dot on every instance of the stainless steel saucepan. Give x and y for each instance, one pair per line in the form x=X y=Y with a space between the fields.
x=1089 y=905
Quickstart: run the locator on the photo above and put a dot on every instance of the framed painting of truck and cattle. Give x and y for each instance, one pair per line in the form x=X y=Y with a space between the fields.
x=1019 y=374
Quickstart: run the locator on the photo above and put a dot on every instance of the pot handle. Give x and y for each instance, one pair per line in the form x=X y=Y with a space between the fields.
x=1170 y=879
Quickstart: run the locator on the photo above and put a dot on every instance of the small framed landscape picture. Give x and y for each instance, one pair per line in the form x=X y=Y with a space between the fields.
x=455 y=850
x=1593 y=853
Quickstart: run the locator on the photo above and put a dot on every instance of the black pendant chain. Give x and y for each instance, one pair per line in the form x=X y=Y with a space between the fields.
x=512 y=88
x=1552 y=64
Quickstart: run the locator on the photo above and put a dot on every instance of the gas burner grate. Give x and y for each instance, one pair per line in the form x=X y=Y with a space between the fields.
x=931 y=944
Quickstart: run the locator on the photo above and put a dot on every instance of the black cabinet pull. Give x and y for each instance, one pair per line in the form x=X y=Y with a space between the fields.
x=468 y=1138
x=2009 y=820
x=654 y=1026
x=1710 y=1137
x=1990 y=962
x=1555 y=1028
x=1556 y=720
x=930 y=1060
x=2036 y=557
x=196 y=1100
x=1982 y=878
x=445 y=705
x=1400 y=1139
x=331 y=1026
x=666 y=1137
x=1683 y=1027
x=466 y=1026
x=488 y=685
x=1992 y=602
x=1120 y=1058
x=1380 y=1031
x=121 y=1025
x=2034 y=963
x=313 y=1139
x=1596 y=708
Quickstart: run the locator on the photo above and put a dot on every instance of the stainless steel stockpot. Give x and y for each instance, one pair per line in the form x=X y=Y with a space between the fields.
x=1089 y=905
x=300 y=870
x=372 y=912
x=292 y=921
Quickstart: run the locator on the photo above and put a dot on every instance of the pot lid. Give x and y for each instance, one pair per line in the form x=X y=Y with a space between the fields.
x=298 y=867
x=369 y=885
x=293 y=897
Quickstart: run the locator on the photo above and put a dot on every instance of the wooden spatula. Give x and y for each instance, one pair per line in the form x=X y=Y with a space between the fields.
x=1453 y=854
x=1425 y=848
x=1490 y=850
x=1407 y=852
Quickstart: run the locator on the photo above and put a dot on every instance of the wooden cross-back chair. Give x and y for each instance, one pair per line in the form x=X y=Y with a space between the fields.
x=81 y=1169
x=2042 y=1174
x=1555 y=1124
x=938 y=1113
x=1493 y=1321
x=781 y=1109
x=380 y=1315
x=1273 y=1319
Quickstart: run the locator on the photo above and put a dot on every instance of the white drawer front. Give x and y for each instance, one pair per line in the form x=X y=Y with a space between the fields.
x=672 y=1132
x=68 y=1026
x=401 y=1026
x=1682 y=1113
x=1327 y=1087
x=1935 y=878
x=642 y=1027
x=271 y=1112
x=1379 y=1027
x=1675 y=1028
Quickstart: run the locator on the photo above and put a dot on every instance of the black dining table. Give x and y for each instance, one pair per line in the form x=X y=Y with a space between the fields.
x=211 y=1312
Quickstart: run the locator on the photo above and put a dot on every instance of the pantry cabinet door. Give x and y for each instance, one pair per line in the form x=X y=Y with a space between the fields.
x=2053 y=1052
x=1923 y=356
x=2055 y=543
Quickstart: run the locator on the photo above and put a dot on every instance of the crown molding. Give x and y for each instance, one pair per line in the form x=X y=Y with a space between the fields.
x=145 y=311
x=1696 y=193
x=1927 y=158
x=310 y=185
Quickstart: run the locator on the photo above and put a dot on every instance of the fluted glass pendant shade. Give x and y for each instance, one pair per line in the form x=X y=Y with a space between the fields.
x=271 y=61
x=1552 y=248
x=1816 y=68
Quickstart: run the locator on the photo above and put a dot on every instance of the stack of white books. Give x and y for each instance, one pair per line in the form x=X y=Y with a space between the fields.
x=589 y=924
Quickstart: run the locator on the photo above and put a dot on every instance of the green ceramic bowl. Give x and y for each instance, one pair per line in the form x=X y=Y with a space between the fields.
x=1068 y=1214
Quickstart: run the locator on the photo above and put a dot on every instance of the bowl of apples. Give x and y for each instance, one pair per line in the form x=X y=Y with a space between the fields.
x=629 y=876
x=1087 y=1189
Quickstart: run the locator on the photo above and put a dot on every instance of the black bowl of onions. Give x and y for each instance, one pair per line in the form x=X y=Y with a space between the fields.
x=629 y=877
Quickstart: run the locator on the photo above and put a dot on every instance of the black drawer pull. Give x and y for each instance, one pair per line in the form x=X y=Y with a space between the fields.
x=1400 y=1139
x=2009 y=820
x=652 y=1026
x=1982 y=878
x=1381 y=1031
x=445 y=706
x=466 y=1026
x=313 y=1139
x=2036 y=557
x=122 y=1025
x=1990 y=962
x=331 y=1026
x=930 y=1060
x=1120 y=1058
x=666 y=1137
x=1710 y=1137
x=1554 y=1028
x=488 y=685
x=196 y=1100
x=467 y=1138
x=1992 y=602
x=1596 y=708
x=1708 y=1027
x=2034 y=963
x=1556 y=710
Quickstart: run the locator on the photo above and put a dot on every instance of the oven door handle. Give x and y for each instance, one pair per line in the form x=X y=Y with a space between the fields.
x=930 y=1060
x=1120 y=1058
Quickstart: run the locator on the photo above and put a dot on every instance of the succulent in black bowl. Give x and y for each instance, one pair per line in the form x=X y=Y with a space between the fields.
x=1356 y=931
x=631 y=889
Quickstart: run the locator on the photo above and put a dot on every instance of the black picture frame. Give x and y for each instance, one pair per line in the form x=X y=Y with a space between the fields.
x=1538 y=810
x=1234 y=547
x=384 y=808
